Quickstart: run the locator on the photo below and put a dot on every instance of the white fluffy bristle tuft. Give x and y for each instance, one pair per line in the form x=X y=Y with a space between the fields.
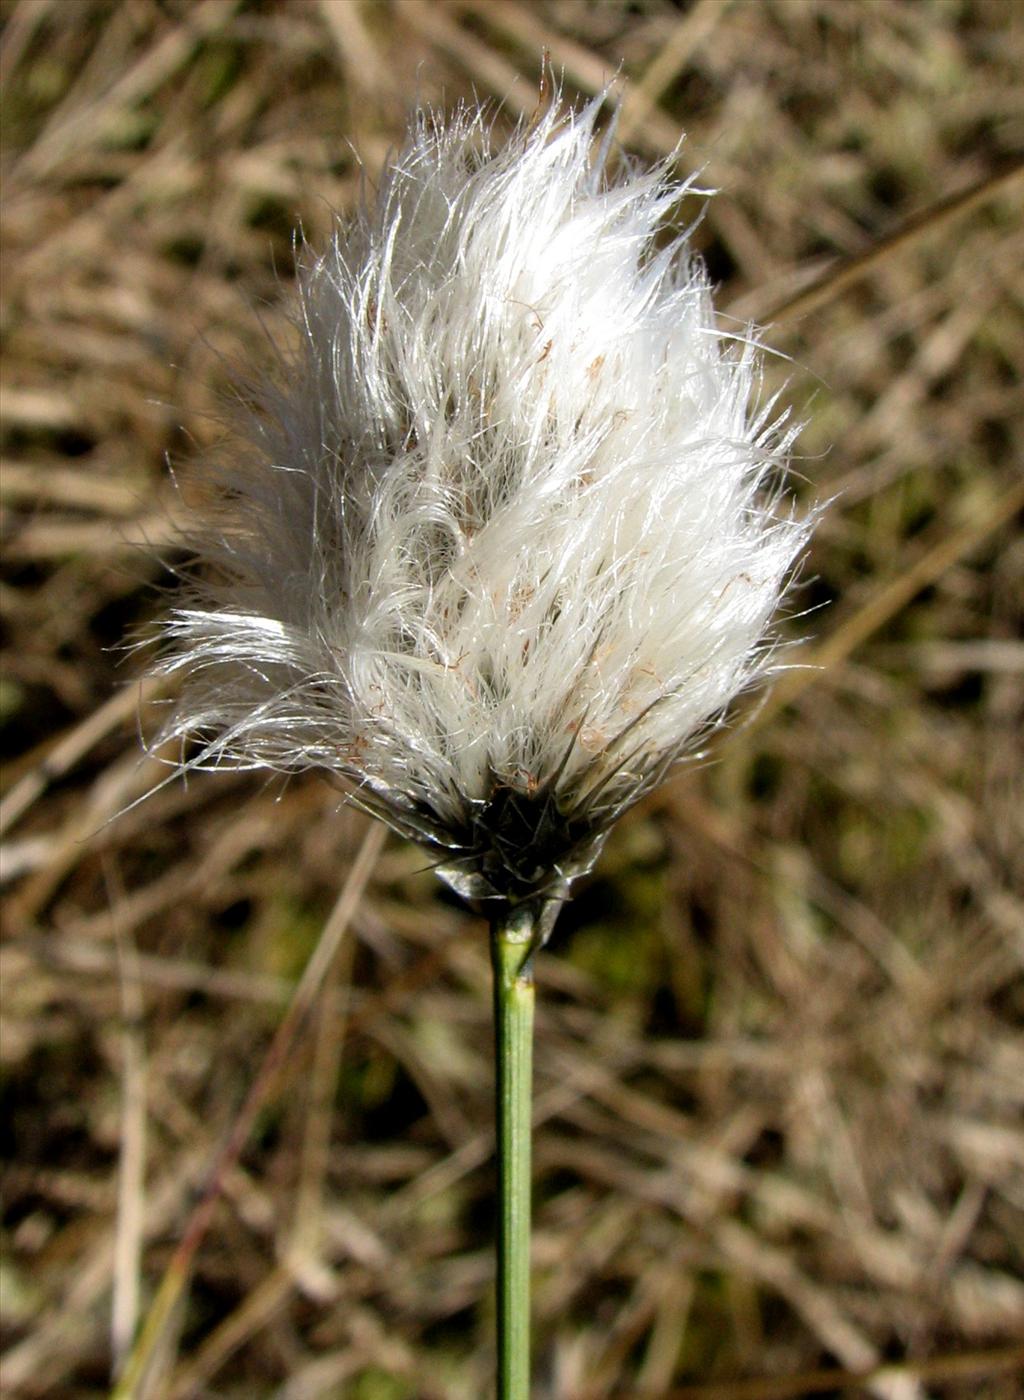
x=510 y=523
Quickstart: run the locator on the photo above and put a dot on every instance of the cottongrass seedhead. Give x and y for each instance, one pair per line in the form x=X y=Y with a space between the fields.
x=508 y=533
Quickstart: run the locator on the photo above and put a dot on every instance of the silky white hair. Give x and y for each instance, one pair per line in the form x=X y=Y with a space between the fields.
x=509 y=531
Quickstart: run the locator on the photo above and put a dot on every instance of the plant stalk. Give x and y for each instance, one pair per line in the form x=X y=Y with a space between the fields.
x=512 y=946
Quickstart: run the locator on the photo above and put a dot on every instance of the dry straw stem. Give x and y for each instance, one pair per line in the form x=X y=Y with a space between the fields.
x=264 y=1083
x=73 y=746
x=890 y=599
x=970 y=1366
x=131 y=1185
x=796 y=1007
x=835 y=281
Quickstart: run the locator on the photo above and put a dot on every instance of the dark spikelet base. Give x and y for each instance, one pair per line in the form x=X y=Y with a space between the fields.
x=521 y=843
x=518 y=845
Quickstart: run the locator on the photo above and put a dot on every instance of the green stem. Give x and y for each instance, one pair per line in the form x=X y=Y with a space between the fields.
x=512 y=946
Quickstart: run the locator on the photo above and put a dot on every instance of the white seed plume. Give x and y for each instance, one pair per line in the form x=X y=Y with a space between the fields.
x=508 y=534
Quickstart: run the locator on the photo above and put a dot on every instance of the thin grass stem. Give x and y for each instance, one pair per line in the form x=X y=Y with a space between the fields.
x=513 y=939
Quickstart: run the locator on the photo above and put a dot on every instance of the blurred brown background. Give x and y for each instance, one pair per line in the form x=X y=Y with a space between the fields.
x=780 y=1072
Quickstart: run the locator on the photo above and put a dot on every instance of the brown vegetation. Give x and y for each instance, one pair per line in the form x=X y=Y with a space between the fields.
x=780 y=1075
